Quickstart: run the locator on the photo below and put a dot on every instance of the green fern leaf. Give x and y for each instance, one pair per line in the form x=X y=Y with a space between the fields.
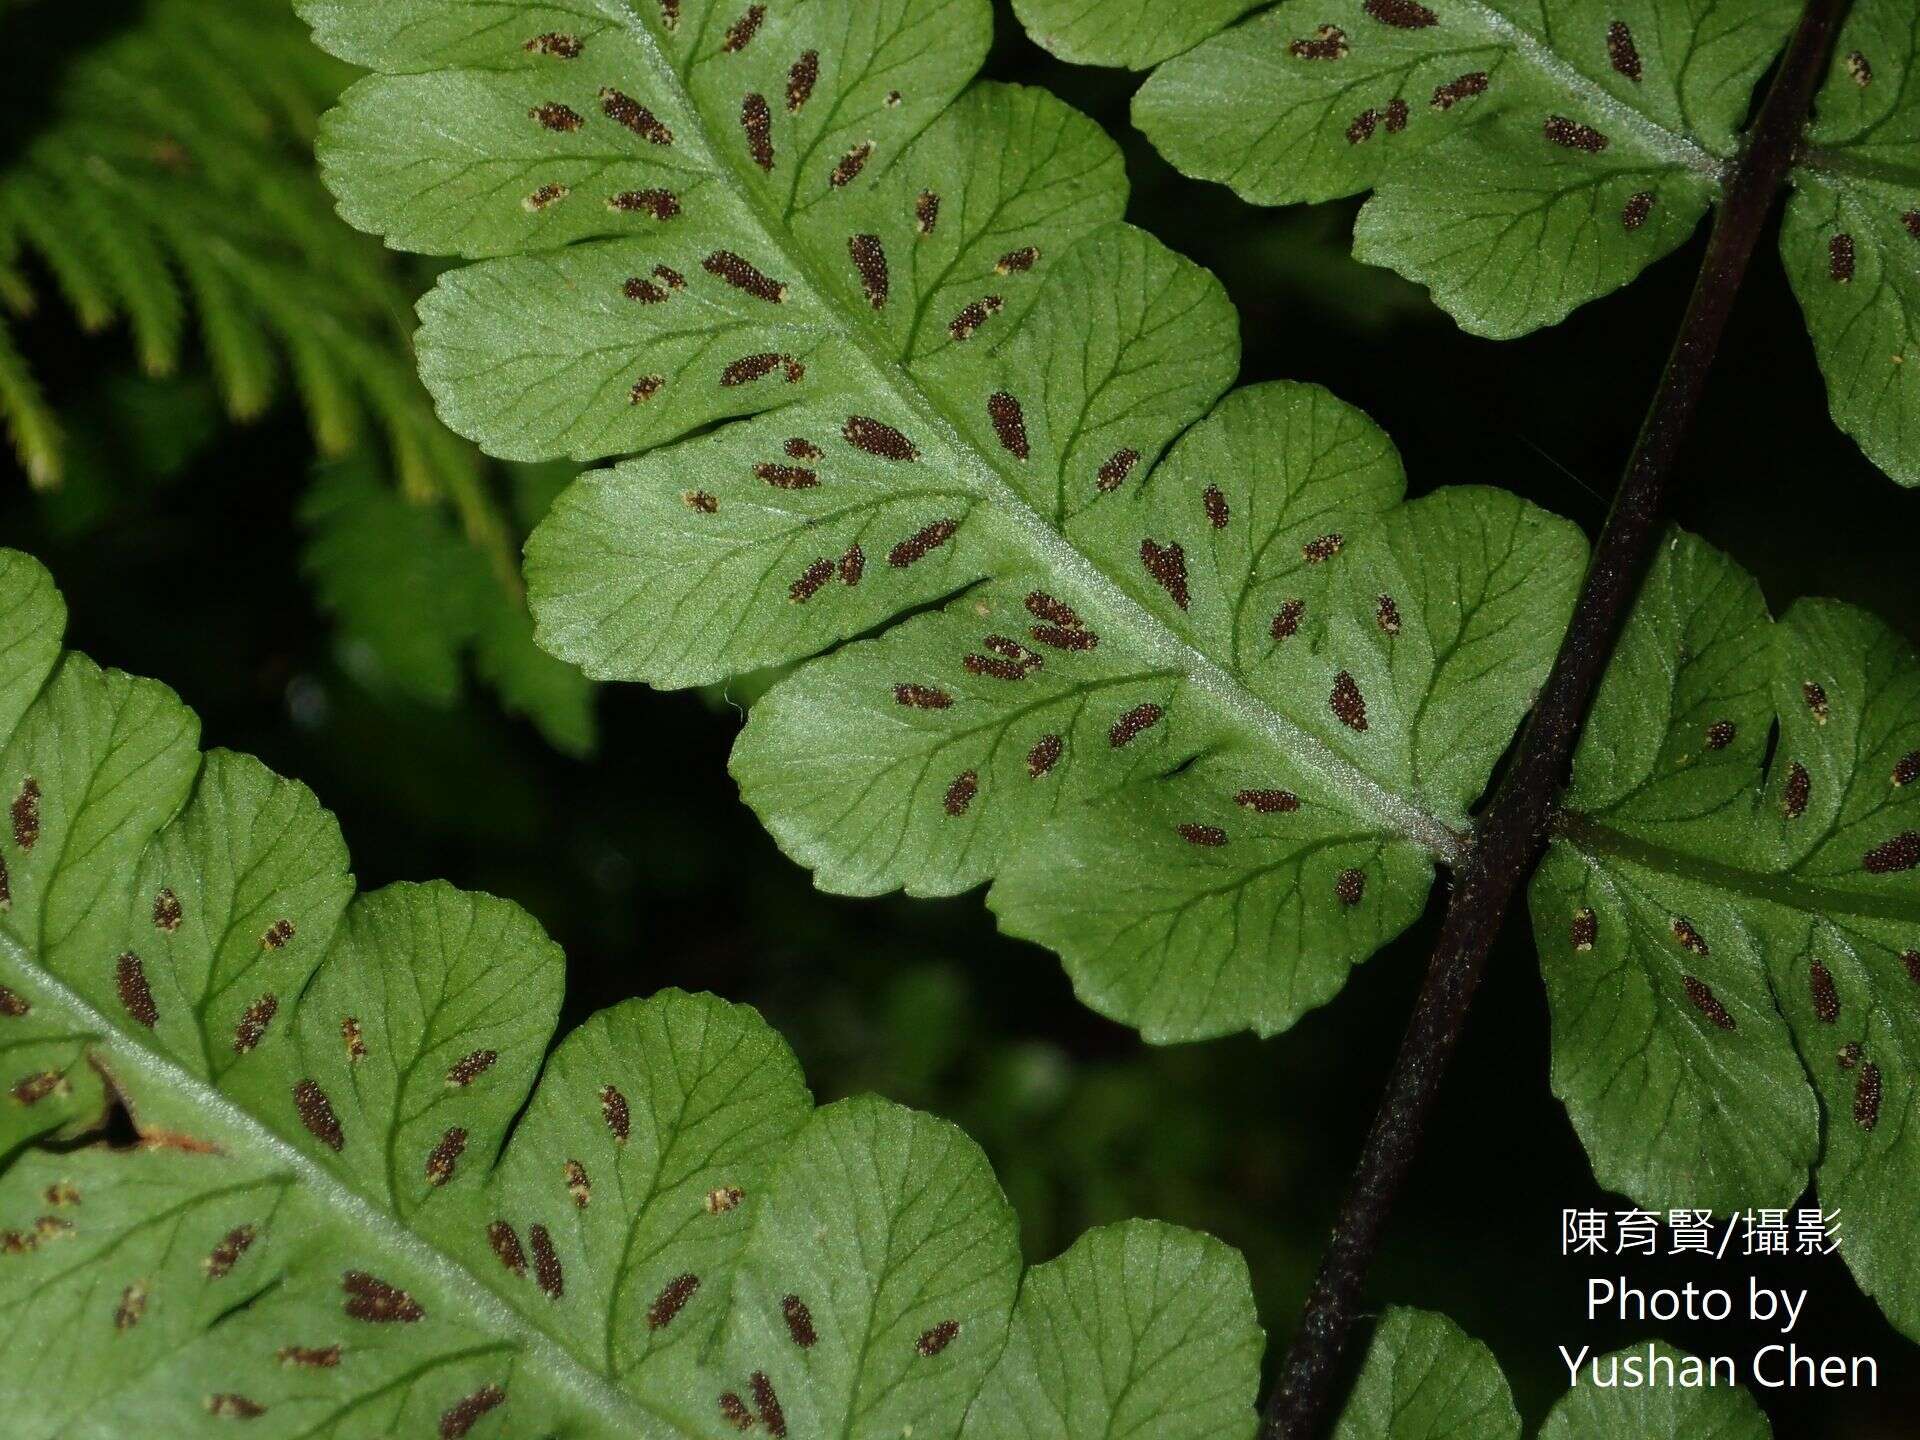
x=1729 y=916
x=1525 y=159
x=1523 y=163
x=422 y=597
x=1135 y=35
x=32 y=619
x=29 y=420
x=164 y=170
x=1656 y=1411
x=1851 y=237
x=1095 y=1353
x=1426 y=1379
x=345 y=1212
x=900 y=365
x=168 y=173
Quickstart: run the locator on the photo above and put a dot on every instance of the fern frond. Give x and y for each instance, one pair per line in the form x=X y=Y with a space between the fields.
x=1180 y=675
x=1426 y=1379
x=367 y=1201
x=167 y=182
x=30 y=423
x=1729 y=915
x=167 y=172
x=404 y=582
x=1524 y=159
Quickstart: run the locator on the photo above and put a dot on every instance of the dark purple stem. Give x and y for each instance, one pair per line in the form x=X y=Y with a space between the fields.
x=1509 y=838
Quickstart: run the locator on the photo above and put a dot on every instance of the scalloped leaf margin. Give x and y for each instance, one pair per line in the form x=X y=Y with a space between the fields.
x=899 y=364
x=364 y=1199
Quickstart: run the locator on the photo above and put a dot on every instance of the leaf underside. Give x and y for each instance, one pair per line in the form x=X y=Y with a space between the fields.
x=1525 y=159
x=1851 y=235
x=346 y=1214
x=1729 y=917
x=1426 y=1379
x=1187 y=681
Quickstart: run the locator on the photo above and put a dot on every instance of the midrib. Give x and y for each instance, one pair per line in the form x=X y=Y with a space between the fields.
x=1843 y=162
x=1683 y=149
x=1110 y=603
x=1595 y=840
x=237 y=1131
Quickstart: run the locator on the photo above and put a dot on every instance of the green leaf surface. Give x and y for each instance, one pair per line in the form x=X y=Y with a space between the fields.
x=1511 y=231
x=1189 y=894
x=1145 y=1329
x=422 y=598
x=32 y=619
x=1851 y=237
x=1525 y=158
x=345 y=1214
x=1130 y=33
x=1655 y=1411
x=1729 y=916
x=1426 y=1379
x=901 y=373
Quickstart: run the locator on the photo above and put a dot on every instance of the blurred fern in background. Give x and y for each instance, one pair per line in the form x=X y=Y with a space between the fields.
x=157 y=181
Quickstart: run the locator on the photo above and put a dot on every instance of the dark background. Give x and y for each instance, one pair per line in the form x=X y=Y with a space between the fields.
x=184 y=563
